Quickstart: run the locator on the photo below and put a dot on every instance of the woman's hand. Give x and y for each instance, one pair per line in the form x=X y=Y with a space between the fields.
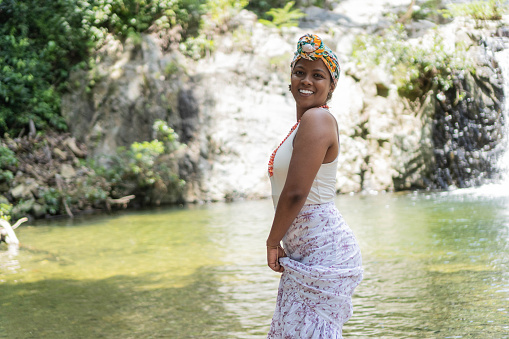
x=273 y=255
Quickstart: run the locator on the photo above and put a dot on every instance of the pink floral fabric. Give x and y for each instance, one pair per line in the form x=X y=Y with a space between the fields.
x=322 y=270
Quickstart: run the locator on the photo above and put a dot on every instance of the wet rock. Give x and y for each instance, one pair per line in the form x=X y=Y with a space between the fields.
x=466 y=132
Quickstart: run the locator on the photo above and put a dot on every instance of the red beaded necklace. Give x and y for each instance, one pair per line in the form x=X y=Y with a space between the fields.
x=271 y=159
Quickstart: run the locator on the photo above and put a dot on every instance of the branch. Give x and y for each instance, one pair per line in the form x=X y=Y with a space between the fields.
x=408 y=13
x=8 y=235
x=60 y=188
x=19 y=222
x=120 y=201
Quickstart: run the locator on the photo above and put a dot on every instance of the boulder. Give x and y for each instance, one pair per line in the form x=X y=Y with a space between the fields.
x=25 y=189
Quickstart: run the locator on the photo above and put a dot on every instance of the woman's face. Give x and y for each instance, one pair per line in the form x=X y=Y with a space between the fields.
x=311 y=82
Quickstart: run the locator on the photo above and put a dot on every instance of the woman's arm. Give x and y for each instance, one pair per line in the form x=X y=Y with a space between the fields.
x=315 y=138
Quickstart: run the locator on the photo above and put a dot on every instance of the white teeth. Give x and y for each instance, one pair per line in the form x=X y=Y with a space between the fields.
x=305 y=91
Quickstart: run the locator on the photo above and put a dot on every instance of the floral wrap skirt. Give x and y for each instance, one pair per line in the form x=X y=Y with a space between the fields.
x=322 y=269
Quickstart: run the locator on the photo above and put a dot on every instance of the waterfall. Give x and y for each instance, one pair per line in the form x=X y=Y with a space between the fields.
x=500 y=187
x=503 y=164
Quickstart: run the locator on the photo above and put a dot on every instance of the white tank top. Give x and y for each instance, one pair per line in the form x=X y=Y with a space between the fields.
x=324 y=185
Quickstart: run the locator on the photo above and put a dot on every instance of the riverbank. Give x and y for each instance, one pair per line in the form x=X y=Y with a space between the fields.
x=51 y=174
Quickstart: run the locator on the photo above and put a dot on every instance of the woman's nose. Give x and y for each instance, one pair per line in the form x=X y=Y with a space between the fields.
x=307 y=80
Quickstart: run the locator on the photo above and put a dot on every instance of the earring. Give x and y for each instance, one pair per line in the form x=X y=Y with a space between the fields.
x=290 y=88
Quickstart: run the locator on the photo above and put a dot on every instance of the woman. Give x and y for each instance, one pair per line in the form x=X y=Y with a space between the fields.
x=321 y=259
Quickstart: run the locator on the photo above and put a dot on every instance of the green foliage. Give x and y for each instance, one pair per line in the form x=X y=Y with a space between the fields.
x=220 y=12
x=94 y=194
x=197 y=47
x=417 y=68
x=141 y=158
x=145 y=166
x=7 y=157
x=51 y=199
x=171 y=68
x=122 y=17
x=428 y=10
x=5 y=211
x=41 y=41
x=167 y=135
x=478 y=10
x=283 y=17
x=146 y=169
x=262 y=7
x=7 y=160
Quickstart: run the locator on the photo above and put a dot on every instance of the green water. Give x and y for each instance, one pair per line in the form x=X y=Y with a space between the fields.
x=436 y=266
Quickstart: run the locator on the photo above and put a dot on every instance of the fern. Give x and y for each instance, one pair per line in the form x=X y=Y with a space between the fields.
x=283 y=17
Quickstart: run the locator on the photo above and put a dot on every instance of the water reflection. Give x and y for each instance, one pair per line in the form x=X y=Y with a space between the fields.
x=8 y=262
x=436 y=266
x=444 y=267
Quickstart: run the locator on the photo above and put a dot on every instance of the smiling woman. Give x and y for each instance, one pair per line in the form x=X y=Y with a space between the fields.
x=320 y=259
x=311 y=84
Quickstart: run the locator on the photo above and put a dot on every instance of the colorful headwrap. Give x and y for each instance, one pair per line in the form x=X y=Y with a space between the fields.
x=311 y=47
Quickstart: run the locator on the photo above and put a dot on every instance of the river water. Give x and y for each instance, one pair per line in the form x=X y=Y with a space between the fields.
x=436 y=266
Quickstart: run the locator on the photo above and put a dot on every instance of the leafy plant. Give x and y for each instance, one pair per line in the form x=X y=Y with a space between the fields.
x=42 y=41
x=478 y=10
x=145 y=166
x=5 y=211
x=95 y=194
x=51 y=198
x=261 y=7
x=167 y=135
x=416 y=68
x=197 y=47
x=220 y=12
x=7 y=160
x=428 y=10
x=283 y=17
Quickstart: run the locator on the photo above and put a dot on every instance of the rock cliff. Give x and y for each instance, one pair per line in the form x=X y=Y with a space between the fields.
x=233 y=107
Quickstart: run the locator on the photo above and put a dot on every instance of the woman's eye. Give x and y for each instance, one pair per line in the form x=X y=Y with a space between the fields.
x=318 y=75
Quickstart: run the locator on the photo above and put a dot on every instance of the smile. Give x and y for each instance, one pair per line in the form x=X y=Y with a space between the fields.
x=305 y=91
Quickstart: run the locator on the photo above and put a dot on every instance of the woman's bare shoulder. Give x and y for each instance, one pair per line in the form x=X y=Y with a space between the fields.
x=318 y=118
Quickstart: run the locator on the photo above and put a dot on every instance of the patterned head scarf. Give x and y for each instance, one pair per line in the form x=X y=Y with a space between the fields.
x=311 y=47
